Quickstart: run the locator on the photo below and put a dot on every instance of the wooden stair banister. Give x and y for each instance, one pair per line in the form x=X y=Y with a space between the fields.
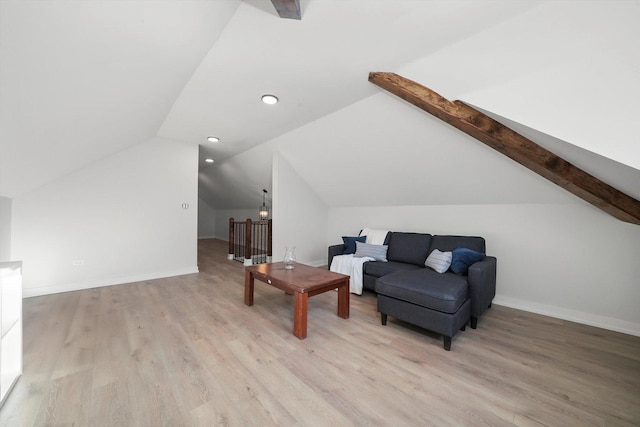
x=231 y=239
x=247 y=242
x=250 y=241
x=513 y=145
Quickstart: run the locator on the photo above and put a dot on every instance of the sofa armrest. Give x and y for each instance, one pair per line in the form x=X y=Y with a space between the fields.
x=333 y=251
x=482 y=284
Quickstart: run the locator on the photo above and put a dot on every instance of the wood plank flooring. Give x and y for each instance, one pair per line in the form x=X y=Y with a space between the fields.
x=186 y=351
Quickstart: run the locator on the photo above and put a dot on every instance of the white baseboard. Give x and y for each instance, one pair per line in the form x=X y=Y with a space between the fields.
x=98 y=283
x=590 y=319
x=208 y=237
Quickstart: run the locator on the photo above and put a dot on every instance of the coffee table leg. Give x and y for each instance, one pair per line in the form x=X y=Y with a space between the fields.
x=343 y=301
x=248 y=288
x=300 y=309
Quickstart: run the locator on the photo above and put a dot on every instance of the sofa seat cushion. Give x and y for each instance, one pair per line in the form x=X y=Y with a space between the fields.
x=379 y=268
x=427 y=288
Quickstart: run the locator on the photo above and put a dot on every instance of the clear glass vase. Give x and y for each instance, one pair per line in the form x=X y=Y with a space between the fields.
x=289 y=257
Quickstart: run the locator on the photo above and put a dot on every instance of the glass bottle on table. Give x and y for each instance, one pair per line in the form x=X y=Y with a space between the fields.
x=289 y=257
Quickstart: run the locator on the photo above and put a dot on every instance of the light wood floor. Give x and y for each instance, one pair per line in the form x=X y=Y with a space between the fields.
x=186 y=351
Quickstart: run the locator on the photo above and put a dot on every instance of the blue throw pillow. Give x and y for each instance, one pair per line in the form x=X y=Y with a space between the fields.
x=463 y=258
x=350 y=243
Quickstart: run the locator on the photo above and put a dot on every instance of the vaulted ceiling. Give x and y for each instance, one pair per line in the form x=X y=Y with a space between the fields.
x=80 y=81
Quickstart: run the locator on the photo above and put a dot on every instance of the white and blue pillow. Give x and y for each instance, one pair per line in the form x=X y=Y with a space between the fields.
x=377 y=252
x=439 y=261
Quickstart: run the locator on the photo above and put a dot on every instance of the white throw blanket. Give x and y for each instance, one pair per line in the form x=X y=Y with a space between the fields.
x=374 y=237
x=352 y=266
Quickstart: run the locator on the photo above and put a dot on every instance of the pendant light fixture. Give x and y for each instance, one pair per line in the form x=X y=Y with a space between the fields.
x=263 y=213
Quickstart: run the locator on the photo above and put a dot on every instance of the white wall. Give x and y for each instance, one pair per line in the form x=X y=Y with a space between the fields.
x=222 y=220
x=569 y=261
x=299 y=216
x=5 y=229
x=206 y=220
x=115 y=221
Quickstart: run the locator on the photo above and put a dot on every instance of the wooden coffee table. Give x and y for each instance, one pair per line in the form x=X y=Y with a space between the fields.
x=303 y=282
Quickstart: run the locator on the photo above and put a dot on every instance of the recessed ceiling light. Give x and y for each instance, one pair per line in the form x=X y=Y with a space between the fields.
x=270 y=99
x=213 y=139
x=208 y=160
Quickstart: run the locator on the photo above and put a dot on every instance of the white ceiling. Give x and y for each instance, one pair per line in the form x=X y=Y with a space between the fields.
x=80 y=81
x=315 y=66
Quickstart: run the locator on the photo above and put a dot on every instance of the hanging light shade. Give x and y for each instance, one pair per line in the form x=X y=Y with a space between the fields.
x=263 y=213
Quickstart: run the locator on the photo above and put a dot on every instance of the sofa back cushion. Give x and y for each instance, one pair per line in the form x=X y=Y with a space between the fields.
x=449 y=243
x=411 y=248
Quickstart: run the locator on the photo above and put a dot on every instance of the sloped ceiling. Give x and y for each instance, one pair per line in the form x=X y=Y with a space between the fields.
x=568 y=69
x=82 y=80
x=573 y=78
x=618 y=175
x=315 y=66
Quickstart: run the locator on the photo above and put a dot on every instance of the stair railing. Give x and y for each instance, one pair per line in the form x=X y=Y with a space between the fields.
x=250 y=242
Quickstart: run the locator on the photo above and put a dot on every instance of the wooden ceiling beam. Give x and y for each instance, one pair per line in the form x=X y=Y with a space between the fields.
x=513 y=145
x=289 y=9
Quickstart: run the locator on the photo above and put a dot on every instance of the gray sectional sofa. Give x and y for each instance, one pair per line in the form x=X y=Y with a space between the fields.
x=412 y=292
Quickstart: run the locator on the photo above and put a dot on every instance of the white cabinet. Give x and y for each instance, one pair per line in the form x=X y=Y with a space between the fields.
x=11 y=317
